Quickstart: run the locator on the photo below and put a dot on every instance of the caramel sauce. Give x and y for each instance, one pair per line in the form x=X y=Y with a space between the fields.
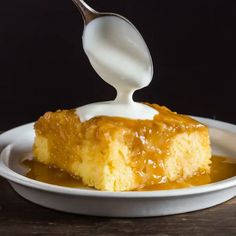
x=221 y=168
x=148 y=141
x=51 y=175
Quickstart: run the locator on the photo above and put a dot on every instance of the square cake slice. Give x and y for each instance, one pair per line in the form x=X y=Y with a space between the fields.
x=118 y=154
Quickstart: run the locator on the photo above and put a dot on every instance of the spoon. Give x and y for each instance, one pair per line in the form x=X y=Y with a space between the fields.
x=120 y=56
x=90 y=14
x=86 y=11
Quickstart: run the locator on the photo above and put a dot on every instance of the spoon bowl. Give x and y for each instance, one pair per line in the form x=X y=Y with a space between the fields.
x=111 y=27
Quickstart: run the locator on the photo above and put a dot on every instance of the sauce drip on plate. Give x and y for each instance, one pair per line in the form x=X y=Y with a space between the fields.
x=222 y=168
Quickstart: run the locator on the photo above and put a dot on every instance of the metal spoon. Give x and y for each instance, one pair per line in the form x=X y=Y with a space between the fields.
x=120 y=56
x=86 y=11
x=90 y=14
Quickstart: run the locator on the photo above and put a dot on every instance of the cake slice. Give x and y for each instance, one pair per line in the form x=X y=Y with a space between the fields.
x=118 y=154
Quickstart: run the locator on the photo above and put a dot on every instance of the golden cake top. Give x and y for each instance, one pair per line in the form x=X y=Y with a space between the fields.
x=166 y=119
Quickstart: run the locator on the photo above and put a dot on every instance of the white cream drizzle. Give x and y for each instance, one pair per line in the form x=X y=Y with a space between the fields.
x=119 y=55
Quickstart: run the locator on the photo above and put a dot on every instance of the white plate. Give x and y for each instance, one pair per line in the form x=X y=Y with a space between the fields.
x=17 y=143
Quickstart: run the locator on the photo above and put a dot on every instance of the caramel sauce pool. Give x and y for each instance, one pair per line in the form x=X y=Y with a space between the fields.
x=221 y=168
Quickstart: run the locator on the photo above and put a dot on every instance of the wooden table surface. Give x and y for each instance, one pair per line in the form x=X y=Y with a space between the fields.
x=20 y=217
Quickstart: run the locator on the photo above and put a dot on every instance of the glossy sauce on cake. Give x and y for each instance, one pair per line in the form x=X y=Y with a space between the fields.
x=134 y=153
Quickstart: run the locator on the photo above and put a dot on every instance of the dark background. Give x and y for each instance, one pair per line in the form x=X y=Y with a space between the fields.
x=43 y=66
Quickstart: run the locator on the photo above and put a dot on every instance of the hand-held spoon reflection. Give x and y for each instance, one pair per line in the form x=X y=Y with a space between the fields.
x=120 y=56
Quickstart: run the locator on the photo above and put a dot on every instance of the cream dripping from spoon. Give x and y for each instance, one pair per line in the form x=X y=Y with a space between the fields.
x=120 y=56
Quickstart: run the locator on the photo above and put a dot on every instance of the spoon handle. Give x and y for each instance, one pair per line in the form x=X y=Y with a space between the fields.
x=86 y=11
